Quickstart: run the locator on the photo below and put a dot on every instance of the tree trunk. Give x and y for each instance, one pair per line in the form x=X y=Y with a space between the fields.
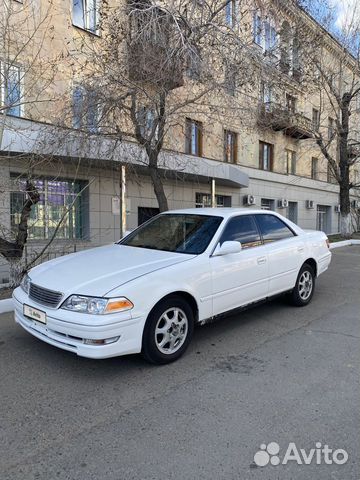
x=344 y=167
x=159 y=189
x=345 y=216
x=345 y=225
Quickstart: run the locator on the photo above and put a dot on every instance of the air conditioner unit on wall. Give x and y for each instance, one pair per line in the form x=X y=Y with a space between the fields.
x=283 y=203
x=337 y=208
x=355 y=204
x=249 y=200
x=309 y=204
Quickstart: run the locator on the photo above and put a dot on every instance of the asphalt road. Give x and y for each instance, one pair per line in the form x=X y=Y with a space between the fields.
x=272 y=374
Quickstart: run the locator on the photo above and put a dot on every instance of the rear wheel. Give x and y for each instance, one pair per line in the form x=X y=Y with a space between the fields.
x=168 y=330
x=304 y=287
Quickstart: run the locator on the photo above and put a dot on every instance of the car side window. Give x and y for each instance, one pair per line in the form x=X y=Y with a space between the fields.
x=273 y=228
x=242 y=229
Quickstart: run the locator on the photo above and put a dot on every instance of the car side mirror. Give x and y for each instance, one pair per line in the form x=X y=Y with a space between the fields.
x=227 y=248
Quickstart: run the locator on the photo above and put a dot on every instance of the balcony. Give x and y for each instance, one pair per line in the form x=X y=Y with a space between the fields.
x=152 y=58
x=279 y=118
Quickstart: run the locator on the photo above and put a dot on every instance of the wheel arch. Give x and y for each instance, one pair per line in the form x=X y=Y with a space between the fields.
x=190 y=299
x=312 y=263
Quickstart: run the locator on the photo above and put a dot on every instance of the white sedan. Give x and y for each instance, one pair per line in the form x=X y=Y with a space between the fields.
x=181 y=268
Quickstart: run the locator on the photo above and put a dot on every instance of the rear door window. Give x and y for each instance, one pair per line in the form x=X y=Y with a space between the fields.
x=273 y=228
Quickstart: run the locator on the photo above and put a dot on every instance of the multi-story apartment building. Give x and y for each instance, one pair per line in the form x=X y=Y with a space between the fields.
x=270 y=161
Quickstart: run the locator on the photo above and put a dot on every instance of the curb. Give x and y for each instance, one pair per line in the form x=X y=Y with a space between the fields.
x=344 y=243
x=6 y=305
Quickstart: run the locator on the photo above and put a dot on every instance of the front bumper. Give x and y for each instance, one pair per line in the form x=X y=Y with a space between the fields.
x=63 y=330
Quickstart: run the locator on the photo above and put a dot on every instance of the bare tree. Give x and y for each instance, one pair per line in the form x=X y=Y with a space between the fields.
x=28 y=69
x=158 y=63
x=322 y=62
x=332 y=75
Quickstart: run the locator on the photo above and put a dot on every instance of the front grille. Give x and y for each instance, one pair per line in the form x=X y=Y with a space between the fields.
x=44 y=296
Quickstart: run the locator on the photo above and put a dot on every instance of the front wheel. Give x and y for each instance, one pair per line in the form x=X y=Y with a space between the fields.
x=304 y=287
x=168 y=330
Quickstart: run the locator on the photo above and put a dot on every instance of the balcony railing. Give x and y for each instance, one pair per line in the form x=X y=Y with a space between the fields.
x=279 y=118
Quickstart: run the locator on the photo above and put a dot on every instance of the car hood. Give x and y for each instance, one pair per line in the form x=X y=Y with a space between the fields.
x=97 y=271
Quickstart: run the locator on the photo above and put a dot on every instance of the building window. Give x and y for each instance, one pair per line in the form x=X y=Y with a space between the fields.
x=203 y=200
x=296 y=65
x=59 y=199
x=194 y=137
x=85 y=14
x=264 y=33
x=231 y=13
x=331 y=128
x=11 y=89
x=290 y=103
x=357 y=102
x=267 y=204
x=266 y=96
x=291 y=162
x=146 y=119
x=145 y=213
x=314 y=168
x=230 y=146
x=257 y=29
x=85 y=110
x=266 y=156
x=315 y=120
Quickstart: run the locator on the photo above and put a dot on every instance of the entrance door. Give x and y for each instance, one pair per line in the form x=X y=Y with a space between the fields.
x=292 y=212
x=323 y=218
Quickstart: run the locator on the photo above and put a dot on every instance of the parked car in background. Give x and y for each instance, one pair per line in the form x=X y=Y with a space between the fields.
x=146 y=292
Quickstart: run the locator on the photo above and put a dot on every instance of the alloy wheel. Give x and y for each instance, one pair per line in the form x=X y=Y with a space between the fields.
x=171 y=330
x=305 y=285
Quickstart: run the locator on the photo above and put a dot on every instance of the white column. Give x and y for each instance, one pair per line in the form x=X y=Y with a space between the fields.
x=122 y=201
x=213 y=197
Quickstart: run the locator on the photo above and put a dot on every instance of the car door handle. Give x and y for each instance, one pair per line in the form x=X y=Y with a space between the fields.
x=261 y=260
x=300 y=249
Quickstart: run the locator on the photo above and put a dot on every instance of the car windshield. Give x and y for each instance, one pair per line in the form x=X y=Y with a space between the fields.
x=181 y=233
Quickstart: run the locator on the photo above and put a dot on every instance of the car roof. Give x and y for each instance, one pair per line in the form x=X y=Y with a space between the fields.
x=219 y=212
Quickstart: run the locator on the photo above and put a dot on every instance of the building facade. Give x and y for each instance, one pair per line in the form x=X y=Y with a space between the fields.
x=271 y=161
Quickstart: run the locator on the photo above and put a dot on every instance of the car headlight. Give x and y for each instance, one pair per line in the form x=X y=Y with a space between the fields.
x=25 y=283
x=96 y=306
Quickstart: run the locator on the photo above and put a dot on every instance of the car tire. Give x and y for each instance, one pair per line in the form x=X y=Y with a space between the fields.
x=304 y=288
x=168 y=330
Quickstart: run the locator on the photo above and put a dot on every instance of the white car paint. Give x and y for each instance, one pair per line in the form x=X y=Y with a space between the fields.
x=216 y=283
